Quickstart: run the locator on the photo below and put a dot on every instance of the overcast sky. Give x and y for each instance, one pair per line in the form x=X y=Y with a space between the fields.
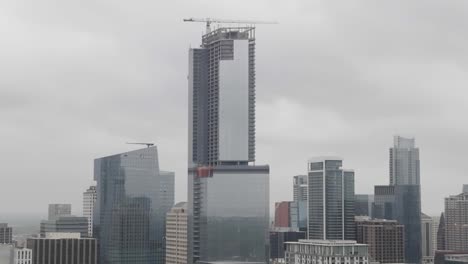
x=80 y=78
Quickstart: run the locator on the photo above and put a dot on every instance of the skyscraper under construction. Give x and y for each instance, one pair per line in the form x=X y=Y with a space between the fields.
x=228 y=200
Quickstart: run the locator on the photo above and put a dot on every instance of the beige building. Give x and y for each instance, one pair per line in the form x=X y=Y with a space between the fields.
x=456 y=222
x=176 y=234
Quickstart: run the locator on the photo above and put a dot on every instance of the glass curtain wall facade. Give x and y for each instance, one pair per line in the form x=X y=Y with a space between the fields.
x=228 y=196
x=133 y=198
x=230 y=214
x=331 y=200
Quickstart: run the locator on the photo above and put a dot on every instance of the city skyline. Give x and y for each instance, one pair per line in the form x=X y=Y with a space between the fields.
x=86 y=120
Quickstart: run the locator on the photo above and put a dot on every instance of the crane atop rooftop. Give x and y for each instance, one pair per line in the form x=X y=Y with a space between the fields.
x=208 y=22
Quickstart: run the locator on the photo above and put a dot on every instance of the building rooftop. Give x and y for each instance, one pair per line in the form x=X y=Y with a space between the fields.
x=328 y=242
x=323 y=158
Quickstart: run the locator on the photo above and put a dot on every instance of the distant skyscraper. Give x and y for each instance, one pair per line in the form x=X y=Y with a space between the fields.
x=228 y=203
x=286 y=214
x=65 y=224
x=331 y=200
x=441 y=245
x=64 y=248
x=6 y=234
x=300 y=197
x=326 y=251
x=363 y=204
x=427 y=229
x=405 y=176
x=384 y=202
x=385 y=239
x=56 y=210
x=133 y=197
x=456 y=222
x=176 y=234
x=404 y=162
x=300 y=188
x=89 y=199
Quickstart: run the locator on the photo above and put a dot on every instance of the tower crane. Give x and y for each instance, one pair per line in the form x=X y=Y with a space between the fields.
x=208 y=22
x=141 y=143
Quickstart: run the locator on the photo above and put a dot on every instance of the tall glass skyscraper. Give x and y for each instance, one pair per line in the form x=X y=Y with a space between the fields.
x=133 y=197
x=405 y=176
x=401 y=200
x=331 y=200
x=228 y=201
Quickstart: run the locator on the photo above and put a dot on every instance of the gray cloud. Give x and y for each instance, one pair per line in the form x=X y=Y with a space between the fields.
x=79 y=79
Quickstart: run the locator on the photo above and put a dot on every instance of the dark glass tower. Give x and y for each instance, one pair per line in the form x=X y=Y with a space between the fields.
x=133 y=197
x=228 y=196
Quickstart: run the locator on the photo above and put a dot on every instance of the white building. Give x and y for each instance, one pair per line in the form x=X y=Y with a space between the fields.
x=176 y=234
x=326 y=252
x=22 y=256
x=89 y=199
x=11 y=255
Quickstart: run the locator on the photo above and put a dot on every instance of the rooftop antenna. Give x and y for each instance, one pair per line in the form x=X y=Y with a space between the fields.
x=208 y=22
x=141 y=143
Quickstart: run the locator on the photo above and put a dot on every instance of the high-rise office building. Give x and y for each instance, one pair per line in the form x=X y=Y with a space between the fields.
x=64 y=248
x=326 y=251
x=56 y=210
x=300 y=188
x=176 y=234
x=300 y=197
x=456 y=222
x=441 y=241
x=363 y=204
x=402 y=203
x=133 y=197
x=406 y=207
x=6 y=234
x=404 y=162
x=65 y=224
x=427 y=234
x=89 y=199
x=385 y=239
x=331 y=200
x=228 y=203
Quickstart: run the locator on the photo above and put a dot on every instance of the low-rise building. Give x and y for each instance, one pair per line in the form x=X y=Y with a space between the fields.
x=326 y=252
x=73 y=249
